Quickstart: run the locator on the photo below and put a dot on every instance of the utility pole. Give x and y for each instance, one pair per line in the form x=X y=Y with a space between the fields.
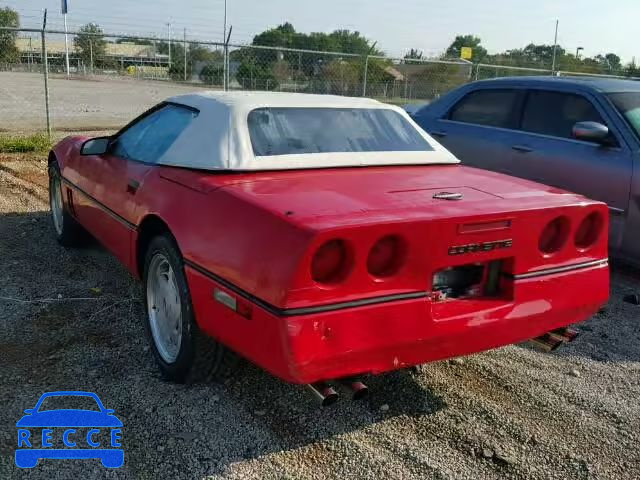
x=64 y=7
x=555 y=49
x=185 y=54
x=224 y=27
x=91 y=53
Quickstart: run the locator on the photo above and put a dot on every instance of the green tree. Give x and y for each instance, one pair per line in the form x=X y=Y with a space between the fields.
x=475 y=43
x=614 y=61
x=610 y=62
x=413 y=54
x=344 y=41
x=352 y=42
x=8 y=50
x=195 y=54
x=264 y=68
x=534 y=56
x=90 y=43
x=212 y=74
x=256 y=76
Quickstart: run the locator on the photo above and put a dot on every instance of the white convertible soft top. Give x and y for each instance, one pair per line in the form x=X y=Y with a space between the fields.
x=218 y=138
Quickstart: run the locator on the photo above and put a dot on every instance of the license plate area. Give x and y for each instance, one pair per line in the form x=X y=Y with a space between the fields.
x=472 y=281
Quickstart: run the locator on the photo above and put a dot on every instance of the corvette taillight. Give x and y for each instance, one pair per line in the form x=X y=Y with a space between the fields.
x=331 y=262
x=555 y=235
x=386 y=256
x=589 y=231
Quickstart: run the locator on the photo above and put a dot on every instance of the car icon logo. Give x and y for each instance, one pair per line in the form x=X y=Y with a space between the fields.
x=91 y=431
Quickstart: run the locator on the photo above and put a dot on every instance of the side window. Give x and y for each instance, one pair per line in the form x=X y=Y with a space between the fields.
x=151 y=137
x=555 y=113
x=493 y=108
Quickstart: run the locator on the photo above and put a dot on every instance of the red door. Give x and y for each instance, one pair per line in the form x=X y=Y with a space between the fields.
x=113 y=185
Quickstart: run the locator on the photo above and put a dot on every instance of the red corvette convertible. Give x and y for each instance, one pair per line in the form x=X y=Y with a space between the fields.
x=323 y=238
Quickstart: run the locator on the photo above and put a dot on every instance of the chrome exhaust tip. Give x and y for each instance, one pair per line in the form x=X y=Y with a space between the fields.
x=359 y=390
x=565 y=335
x=323 y=392
x=546 y=343
x=555 y=338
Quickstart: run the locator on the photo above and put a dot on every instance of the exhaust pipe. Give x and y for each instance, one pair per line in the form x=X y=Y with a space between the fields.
x=359 y=390
x=565 y=335
x=546 y=343
x=324 y=392
x=553 y=339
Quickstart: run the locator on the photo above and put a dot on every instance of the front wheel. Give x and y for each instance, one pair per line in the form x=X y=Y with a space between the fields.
x=68 y=232
x=182 y=351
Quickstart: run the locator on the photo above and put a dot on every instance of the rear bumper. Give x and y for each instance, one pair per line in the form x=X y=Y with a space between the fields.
x=392 y=335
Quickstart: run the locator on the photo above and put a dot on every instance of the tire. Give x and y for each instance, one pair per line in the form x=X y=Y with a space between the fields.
x=66 y=229
x=183 y=352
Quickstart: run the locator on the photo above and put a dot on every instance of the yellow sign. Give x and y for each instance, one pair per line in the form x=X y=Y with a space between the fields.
x=466 y=53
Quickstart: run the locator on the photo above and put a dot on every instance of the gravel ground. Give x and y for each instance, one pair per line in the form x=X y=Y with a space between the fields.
x=87 y=103
x=509 y=413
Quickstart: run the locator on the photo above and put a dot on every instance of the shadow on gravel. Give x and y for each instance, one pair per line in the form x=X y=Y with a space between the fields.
x=99 y=345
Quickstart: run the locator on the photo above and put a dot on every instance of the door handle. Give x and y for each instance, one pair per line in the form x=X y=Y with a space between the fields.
x=522 y=148
x=439 y=133
x=132 y=186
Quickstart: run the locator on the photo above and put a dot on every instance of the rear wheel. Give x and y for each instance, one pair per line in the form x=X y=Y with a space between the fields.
x=67 y=230
x=182 y=351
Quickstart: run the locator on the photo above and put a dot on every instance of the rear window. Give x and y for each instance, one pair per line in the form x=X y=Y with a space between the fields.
x=288 y=131
x=493 y=108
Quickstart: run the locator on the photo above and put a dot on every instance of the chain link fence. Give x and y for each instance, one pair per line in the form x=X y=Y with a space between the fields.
x=112 y=78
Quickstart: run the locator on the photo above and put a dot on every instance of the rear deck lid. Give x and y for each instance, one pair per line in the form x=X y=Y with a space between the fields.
x=338 y=197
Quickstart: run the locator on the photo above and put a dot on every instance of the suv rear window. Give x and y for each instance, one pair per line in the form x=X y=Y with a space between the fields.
x=295 y=130
x=492 y=108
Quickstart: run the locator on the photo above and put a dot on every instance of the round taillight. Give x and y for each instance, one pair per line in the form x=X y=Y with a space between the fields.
x=589 y=230
x=386 y=256
x=330 y=263
x=554 y=236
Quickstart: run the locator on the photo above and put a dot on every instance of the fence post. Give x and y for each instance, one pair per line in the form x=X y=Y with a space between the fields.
x=225 y=61
x=366 y=69
x=45 y=68
x=364 y=80
x=185 y=54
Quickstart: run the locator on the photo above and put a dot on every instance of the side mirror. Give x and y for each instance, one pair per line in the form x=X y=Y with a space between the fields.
x=96 y=146
x=29 y=411
x=109 y=411
x=592 y=132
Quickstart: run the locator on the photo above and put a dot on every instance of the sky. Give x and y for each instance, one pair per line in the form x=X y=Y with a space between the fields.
x=397 y=25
